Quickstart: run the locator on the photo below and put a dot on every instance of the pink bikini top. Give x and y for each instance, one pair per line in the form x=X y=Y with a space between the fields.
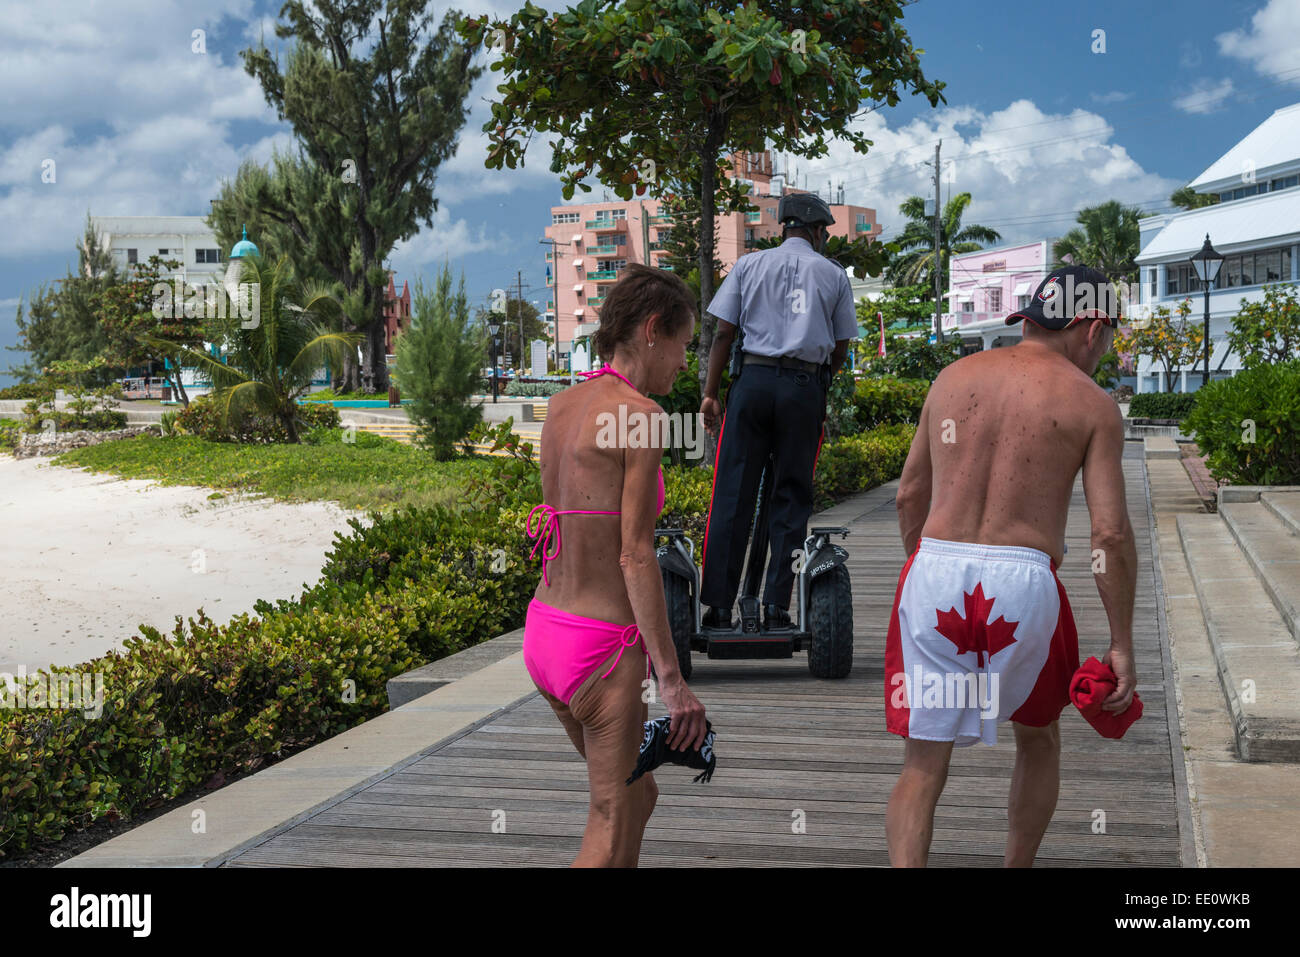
x=543 y=521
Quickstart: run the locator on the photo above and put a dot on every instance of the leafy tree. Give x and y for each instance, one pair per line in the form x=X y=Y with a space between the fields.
x=652 y=93
x=534 y=328
x=61 y=322
x=438 y=360
x=1268 y=332
x=1188 y=198
x=377 y=100
x=269 y=363
x=1107 y=238
x=914 y=357
x=914 y=263
x=1107 y=374
x=1175 y=343
x=146 y=323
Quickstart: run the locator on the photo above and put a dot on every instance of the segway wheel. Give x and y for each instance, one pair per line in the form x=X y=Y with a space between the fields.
x=830 y=616
x=681 y=620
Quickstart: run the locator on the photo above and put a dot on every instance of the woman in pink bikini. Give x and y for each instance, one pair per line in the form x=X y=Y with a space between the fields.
x=599 y=609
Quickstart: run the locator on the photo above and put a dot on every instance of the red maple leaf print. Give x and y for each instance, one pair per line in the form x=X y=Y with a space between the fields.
x=975 y=632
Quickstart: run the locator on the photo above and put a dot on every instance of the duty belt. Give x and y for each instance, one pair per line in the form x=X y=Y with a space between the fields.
x=784 y=362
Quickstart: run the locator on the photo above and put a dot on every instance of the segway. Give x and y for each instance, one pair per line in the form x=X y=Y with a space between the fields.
x=825 y=620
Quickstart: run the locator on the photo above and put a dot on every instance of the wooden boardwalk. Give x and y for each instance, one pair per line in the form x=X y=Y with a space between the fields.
x=805 y=767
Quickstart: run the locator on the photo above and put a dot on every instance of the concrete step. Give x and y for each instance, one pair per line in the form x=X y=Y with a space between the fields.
x=1257 y=657
x=1286 y=506
x=1273 y=552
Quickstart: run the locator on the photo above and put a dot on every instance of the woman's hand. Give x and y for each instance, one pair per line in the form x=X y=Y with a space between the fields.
x=688 y=726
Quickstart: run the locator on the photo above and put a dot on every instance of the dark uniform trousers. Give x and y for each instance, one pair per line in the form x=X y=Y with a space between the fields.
x=776 y=411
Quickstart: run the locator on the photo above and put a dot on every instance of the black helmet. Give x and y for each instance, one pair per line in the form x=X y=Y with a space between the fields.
x=804 y=209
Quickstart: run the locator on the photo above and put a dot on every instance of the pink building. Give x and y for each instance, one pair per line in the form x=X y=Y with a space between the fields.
x=986 y=286
x=590 y=243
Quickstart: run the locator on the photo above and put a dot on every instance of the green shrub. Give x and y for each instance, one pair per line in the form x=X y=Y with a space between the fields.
x=27 y=390
x=96 y=420
x=535 y=389
x=859 y=462
x=888 y=400
x=202 y=418
x=10 y=433
x=1162 y=405
x=1249 y=426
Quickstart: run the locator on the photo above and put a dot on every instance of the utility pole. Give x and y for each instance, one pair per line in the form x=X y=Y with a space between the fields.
x=519 y=277
x=645 y=235
x=938 y=319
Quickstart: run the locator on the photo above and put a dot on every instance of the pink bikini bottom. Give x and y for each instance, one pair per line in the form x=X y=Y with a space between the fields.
x=562 y=650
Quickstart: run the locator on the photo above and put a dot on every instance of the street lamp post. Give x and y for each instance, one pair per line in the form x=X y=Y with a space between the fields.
x=1207 y=263
x=492 y=331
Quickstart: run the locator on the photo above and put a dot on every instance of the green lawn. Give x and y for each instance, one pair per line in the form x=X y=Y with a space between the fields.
x=372 y=473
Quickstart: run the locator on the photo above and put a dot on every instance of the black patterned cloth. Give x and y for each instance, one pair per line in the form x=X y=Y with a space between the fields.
x=655 y=751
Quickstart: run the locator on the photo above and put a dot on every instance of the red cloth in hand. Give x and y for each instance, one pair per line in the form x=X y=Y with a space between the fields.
x=1091 y=685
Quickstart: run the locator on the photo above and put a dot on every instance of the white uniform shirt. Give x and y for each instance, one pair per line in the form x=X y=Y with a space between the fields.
x=789 y=301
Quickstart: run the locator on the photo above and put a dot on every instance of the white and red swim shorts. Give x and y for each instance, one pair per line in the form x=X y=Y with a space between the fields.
x=979 y=634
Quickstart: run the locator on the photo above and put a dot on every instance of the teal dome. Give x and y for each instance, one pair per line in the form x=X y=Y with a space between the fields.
x=244 y=248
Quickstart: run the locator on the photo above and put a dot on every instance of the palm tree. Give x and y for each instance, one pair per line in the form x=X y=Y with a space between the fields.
x=272 y=356
x=914 y=263
x=1108 y=241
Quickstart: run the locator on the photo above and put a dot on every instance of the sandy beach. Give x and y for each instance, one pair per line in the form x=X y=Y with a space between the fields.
x=87 y=558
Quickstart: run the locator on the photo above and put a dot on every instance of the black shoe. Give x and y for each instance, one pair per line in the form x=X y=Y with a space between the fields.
x=774 y=616
x=717 y=617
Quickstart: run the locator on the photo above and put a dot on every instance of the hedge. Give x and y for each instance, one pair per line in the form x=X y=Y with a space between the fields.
x=203 y=419
x=1162 y=405
x=888 y=400
x=409 y=587
x=1248 y=426
x=27 y=390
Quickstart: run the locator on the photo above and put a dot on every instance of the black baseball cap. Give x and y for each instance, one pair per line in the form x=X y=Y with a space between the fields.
x=1065 y=293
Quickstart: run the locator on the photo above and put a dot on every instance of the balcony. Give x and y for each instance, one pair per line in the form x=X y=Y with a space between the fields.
x=595 y=300
x=604 y=250
x=865 y=227
x=754 y=217
x=604 y=225
x=656 y=247
x=661 y=219
x=550 y=256
x=602 y=275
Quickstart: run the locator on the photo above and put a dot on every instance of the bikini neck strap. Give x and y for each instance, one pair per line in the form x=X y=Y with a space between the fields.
x=607 y=368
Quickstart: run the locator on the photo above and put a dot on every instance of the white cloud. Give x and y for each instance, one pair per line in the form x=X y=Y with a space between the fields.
x=1207 y=96
x=448 y=239
x=1027 y=171
x=1270 y=43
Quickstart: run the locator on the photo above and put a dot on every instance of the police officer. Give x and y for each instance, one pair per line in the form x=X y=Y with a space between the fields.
x=794 y=310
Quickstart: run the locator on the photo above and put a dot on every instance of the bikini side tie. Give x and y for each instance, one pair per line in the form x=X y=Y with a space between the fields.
x=635 y=634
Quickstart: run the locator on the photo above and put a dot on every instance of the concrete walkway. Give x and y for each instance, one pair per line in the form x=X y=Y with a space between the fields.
x=1245 y=814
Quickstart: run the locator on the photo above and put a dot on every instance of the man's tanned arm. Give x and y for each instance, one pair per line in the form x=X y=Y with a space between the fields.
x=913 y=496
x=1113 y=548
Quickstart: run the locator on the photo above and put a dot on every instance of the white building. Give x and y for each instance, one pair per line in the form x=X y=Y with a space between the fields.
x=1255 y=226
x=133 y=239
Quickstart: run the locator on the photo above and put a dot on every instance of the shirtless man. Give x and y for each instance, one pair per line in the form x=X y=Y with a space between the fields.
x=981 y=630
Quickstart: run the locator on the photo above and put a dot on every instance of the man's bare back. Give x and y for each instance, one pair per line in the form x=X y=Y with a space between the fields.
x=1006 y=432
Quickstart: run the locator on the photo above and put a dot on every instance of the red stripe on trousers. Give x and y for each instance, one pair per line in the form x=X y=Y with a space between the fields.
x=717 y=453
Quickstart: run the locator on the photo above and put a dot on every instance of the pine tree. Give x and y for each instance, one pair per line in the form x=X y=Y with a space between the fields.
x=438 y=360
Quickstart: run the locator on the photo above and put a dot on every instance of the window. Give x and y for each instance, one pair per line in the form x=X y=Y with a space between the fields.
x=162 y=252
x=1286 y=182
x=1268 y=266
x=618 y=239
x=606 y=264
x=131 y=256
x=557 y=218
x=1230 y=274
x=207 y=255
x=968 y=305
x=1247 y=270
x=1022 y=302
x=995 y=300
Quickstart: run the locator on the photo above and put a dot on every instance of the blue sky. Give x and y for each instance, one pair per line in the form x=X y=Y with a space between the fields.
x=1037 y=123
